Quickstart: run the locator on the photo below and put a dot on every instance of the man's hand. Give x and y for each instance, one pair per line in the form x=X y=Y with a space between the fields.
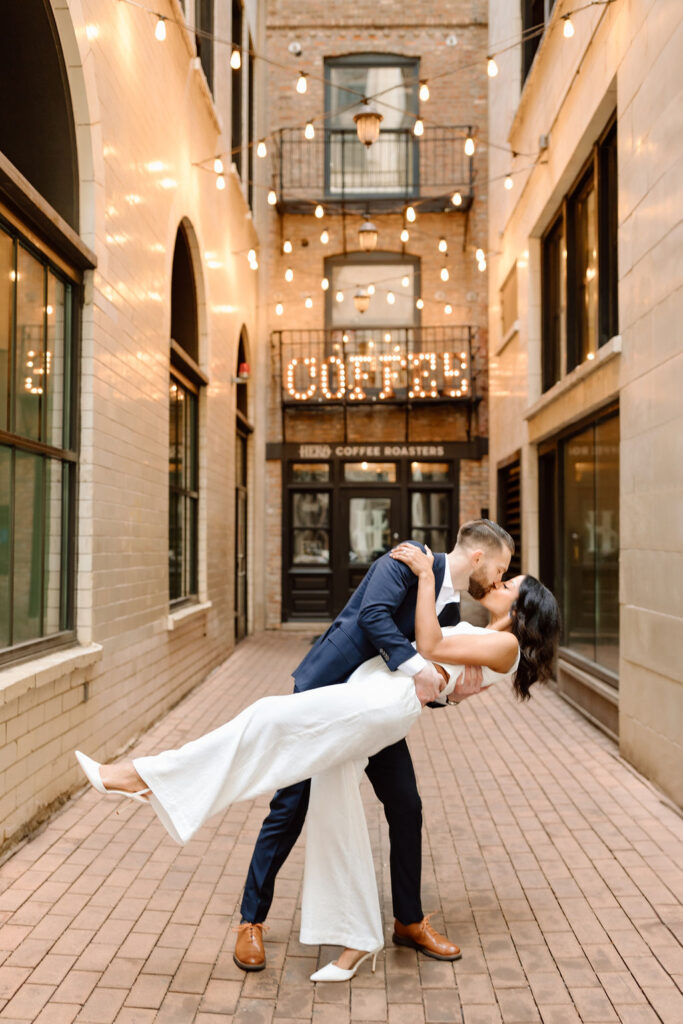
x=428 y=684
x=468 y=683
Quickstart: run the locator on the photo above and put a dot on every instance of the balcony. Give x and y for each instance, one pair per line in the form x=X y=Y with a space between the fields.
x=335 y=169
x=381 y=366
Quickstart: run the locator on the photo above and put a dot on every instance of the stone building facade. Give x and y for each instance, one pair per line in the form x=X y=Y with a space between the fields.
x=128 y=305
x=585 y=348
x=354 y=460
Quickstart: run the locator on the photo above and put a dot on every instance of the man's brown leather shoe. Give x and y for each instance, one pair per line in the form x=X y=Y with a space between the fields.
x=249 y=952
x=423 y=937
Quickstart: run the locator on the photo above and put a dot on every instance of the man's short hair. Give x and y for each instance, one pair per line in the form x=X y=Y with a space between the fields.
x=484 y=533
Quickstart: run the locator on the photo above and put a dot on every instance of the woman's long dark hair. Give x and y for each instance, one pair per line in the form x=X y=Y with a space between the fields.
x=535 y=622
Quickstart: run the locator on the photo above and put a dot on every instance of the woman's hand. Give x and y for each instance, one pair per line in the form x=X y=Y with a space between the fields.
x=419 y=561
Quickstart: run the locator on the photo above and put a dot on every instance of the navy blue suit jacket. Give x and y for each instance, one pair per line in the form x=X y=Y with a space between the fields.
x=379 y=618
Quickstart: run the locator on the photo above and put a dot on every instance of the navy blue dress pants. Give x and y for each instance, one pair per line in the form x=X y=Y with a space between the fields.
x=393 y=780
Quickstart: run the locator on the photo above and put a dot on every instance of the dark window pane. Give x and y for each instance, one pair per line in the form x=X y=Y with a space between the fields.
x=29 y=504
x=6 y=312
x=55 y=361
x=437 y=540
x=579 y=553
x=310 y=509
x=313 y=471
x=54 y=547
x=429 y=509
x=609 y=276
x=510 y=511
x=369 y=528
x=583 y=274
x=310 y=547
x=370 y=472
x=237 y=136
x=607 y=543
x=553 y=298
x=430 y=471
x=183 y=483
x=5 y=543
x=175 y=546
x=204 y=31
x=30 y=348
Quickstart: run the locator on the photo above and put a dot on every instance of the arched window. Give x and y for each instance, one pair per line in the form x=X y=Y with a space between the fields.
x=186 y=380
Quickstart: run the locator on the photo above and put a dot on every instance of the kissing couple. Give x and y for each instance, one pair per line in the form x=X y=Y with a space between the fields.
x=396 y=647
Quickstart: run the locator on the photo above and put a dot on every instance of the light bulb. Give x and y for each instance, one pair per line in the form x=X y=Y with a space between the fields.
x=160 y=30
x=324 y=236
x=568 y=27
x=287 y=246
x=309 y=130
x=289 y=275
x=251 y=255
x=411 y=215
x=309 y=302
x=325 y=284
x=391 y=298
x=279 y=309
x=481 y=265
x=443 y=245
x=491 y=67
x=272 y=197
x=405 y=281
x=480 y=255
x=319 y=212
x=444 y=275
x=448 y=309
x=218 y=165
x=339 y=296
x=220 y=182
x=424 y=92
x=262 y=149
x=418 y=127
x=456 y=199
x=235 y=59
x=469 y=146
x=508 y=182
x=371 y=289
x=405 y=235
x=301 y=83
x=419 y=303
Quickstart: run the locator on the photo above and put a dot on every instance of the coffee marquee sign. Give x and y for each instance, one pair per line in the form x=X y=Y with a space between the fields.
x=376 y=377
x=372 y=451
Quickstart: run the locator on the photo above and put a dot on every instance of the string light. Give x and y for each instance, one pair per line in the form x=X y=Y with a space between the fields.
x=391 y=298
x=220 y=183
x=481 y=265
x=424 y=91
x=289 y=275
x=456 y=199
x=218 y=165
x=339 y=296
x=325 y=284
x=491 y=67
x=287 y=246
x=301 y=83
x=405 y=235
x=324 y=236
x=262 y=149
x=319 y=212
x=272 y=197
x=480 y=255
x=469 y=146
x=160 y=30
x=371 y=289
x=508 y=182
x=418 y=127
x=405 y=281
x=444 y=275
x=309 y=302
x=309 y=131
x=411 y=216
x=443 y=245
x=419 y=303
x=235 y=59
x=568 y=27
x=279 y=309
x=448 y=309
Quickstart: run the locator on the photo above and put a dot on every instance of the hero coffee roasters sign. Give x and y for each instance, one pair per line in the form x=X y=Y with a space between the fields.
x=371 y=451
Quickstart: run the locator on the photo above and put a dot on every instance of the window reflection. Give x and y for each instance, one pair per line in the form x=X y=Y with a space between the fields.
x=370 y=472
x=304 y=472
x=369 y=528
x=430 y=472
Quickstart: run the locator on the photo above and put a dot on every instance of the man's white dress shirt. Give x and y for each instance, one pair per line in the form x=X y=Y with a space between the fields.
x=445 y=596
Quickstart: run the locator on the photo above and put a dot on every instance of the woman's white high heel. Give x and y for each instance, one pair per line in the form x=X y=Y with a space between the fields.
x=91 y=770
x=330 y=972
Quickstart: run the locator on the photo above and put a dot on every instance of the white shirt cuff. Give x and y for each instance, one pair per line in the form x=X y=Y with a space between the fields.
x=413 y=665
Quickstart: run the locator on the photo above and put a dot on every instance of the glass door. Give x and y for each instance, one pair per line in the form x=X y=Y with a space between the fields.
x=370 y=529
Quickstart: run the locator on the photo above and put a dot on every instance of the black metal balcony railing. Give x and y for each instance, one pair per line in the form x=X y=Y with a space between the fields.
x=382 y=365
x=334 y=168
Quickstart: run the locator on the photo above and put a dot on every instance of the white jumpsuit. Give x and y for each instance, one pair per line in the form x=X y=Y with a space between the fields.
x=327 y=735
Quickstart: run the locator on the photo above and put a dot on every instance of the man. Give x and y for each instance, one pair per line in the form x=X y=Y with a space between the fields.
x=379 y=618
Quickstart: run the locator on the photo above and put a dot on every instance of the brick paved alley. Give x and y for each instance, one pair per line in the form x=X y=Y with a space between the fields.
x=555 y=866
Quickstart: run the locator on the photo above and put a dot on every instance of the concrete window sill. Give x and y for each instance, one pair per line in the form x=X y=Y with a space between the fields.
x=190 y=611
x=16 y=680
x=610 y=350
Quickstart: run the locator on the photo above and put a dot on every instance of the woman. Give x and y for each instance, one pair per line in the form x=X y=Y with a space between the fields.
x=327 y=734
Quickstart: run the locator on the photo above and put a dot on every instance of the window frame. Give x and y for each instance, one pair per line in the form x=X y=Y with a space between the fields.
x=68 y=456
x=191 y=596
x=530 y=45
x=361 y=259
